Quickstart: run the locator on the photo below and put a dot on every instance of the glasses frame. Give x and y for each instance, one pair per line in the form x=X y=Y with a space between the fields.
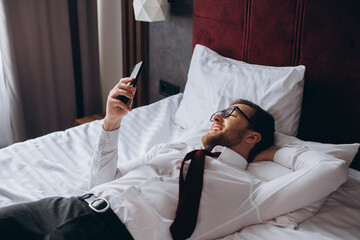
x=224 y=115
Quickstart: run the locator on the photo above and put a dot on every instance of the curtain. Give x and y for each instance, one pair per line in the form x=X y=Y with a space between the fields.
x=6 y=133
x=135 y=49
x=11 y=117
x=110 y=45
x=55 y=49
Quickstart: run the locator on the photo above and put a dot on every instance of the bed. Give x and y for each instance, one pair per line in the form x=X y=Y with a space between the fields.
x=285 y=58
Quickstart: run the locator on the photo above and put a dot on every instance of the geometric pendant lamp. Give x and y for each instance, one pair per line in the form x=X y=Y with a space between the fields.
x=150 y=10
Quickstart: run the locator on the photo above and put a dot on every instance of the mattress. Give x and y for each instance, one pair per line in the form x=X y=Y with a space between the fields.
x=58 y=164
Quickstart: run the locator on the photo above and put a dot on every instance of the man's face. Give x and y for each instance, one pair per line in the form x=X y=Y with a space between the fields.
x=228 y=131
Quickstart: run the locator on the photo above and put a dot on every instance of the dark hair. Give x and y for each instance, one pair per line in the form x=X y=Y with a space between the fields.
x=261 y=122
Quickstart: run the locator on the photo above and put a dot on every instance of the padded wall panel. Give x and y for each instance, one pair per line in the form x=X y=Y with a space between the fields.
x=271 y=39
x=331 y=32
x=330 y=48
x=330 y=111
x=223 y=11
x=207 y=33
x=218 y=28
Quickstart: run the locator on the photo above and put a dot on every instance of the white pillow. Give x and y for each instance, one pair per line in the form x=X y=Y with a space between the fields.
x=215 y=81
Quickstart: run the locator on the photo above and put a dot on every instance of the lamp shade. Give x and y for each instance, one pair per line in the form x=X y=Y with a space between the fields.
x=150 y=10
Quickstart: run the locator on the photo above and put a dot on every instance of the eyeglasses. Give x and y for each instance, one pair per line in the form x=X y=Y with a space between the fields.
x=228 y=111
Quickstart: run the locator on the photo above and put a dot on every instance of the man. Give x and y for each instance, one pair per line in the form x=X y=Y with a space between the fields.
x=140 y=198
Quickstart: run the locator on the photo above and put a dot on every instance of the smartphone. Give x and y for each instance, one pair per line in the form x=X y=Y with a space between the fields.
x=134 y=74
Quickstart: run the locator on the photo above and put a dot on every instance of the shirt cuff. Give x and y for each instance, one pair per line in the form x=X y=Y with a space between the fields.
x=108 y=140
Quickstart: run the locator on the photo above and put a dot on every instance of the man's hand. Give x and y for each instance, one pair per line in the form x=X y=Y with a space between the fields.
x=266 y=155
x=116 y=109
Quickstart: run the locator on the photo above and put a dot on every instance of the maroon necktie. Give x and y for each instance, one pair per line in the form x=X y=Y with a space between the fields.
x=189 y=194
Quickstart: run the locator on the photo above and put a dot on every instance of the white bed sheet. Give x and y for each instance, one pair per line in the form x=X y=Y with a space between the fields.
x=58 y=165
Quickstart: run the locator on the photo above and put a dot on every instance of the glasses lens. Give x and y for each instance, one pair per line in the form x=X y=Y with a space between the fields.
x=224 y=113
x=227 y=112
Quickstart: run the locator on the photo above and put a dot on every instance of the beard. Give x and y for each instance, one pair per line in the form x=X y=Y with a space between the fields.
x=222 y=138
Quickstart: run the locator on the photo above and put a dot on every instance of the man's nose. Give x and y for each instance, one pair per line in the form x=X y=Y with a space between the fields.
x=218 y=117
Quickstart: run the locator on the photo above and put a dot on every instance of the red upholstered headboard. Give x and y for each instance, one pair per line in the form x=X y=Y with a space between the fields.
x=322 y=35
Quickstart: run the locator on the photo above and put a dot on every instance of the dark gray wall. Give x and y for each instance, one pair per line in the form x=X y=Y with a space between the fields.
x=170 y=47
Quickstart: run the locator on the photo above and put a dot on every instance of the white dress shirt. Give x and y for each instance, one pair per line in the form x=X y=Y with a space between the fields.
x=144 y=192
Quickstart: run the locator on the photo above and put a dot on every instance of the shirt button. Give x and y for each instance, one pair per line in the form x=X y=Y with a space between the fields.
x=161 y=179
x=104 y=141
x=178 y=167
x=121 y=199
x=139 y=190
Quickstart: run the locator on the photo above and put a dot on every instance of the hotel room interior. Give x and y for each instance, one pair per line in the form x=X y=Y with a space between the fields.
x=298 y=59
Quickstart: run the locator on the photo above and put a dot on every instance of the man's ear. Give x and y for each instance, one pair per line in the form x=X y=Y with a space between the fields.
x=253 y=137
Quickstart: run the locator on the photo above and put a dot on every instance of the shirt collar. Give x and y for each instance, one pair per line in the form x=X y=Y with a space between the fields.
x=231 y=157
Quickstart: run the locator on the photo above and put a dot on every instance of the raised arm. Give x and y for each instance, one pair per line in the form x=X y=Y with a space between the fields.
x=105 y=155
x=116 y=109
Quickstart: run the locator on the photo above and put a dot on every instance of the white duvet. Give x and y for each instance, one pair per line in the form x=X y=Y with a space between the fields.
x=58 y=164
